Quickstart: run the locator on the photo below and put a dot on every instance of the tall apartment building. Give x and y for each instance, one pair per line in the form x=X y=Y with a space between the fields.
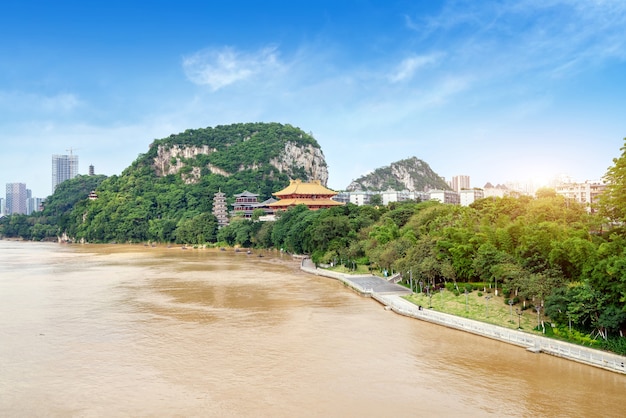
x=16 y=198
x=2 y=206
x=64 y=167
x=460 y=183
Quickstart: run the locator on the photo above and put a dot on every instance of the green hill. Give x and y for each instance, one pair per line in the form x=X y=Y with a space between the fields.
x=174 y=182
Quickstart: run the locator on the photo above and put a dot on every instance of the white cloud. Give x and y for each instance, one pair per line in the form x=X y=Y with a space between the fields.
x=510 y=37
x=409 y=66
x=218 y=68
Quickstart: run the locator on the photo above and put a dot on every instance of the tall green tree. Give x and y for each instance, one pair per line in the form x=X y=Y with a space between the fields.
x=613 y=201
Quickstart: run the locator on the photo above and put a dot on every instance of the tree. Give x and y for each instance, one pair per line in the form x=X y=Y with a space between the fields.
x=612 y=202
x=376 y=200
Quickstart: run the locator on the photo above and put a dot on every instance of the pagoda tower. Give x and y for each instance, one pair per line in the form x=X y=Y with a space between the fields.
x=219 y=209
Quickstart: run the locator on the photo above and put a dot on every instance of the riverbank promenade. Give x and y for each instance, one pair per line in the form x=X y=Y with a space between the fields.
x=391 y=297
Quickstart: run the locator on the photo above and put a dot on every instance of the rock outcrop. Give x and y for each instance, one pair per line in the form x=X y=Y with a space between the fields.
x=273 y=152
x=307 y=157
x=411 y=174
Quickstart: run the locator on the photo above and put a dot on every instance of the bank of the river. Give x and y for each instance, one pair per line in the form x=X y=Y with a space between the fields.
x=392 y=299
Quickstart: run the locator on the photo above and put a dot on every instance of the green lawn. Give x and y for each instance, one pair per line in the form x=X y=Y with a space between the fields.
x=494 y=311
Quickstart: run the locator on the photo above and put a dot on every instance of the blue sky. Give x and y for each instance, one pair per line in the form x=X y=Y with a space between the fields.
x=498 y=90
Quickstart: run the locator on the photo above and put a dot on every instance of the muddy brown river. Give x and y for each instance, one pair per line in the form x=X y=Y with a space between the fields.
x=135 y=331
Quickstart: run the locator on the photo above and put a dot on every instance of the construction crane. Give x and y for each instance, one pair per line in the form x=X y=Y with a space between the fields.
x=70 y=149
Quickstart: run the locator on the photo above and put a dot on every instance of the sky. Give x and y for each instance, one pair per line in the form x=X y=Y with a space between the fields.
x=498 y=90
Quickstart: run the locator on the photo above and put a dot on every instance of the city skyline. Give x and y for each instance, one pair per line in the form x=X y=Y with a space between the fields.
x=501 y=91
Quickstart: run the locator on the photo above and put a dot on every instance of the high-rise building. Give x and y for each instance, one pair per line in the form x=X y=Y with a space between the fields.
x=91 y=170
x=460 y=183
x=64 y=167
x=33 y=204
x=2 y=206
x=16 y=198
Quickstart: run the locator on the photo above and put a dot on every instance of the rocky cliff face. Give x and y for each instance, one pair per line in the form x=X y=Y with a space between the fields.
x=295 y=160
x=411 y=174
x=307 y=157
x=169 y=158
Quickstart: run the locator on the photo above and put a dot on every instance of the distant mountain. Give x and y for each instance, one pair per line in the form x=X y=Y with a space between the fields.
x=411 y=174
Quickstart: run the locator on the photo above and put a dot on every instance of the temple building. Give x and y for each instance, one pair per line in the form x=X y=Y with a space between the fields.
x=246 y=203
x=313 y=195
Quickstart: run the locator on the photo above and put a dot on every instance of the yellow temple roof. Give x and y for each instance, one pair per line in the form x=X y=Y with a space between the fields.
x=308 y=202
x=297 y=187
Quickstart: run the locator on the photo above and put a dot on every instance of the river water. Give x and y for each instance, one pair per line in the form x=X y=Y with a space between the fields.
x=121 y=331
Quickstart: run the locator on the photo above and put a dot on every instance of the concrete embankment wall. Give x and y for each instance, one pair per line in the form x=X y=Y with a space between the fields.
x=536 y=343
x=593 y=357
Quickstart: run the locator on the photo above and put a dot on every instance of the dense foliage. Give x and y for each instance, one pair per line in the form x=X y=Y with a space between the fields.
x=55 y=217
x=540 y=252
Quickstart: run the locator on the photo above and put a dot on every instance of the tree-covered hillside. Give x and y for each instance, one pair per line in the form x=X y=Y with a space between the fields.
x=168 y=191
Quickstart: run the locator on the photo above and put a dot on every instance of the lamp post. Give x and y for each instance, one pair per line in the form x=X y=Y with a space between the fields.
x=487 y=306
x=441 y=293
x=421 y=285
x=569 y=319
x=519 y=318
x=430 y=296
x=511 y=310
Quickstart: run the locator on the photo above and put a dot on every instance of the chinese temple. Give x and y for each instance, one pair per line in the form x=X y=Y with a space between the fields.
x=313 y=195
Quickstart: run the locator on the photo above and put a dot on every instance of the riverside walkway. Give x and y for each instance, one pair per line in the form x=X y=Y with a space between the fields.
x=390 y=296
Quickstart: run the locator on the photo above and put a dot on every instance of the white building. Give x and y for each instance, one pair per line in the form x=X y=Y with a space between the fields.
x=401 y=196
x=444 y=196
x=469 y=196
x=460 y=182
x=360 y=198
x=584 y=193
x=64 y=167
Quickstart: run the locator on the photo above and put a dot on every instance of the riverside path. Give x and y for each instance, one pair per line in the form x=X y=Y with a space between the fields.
x=391 y=297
